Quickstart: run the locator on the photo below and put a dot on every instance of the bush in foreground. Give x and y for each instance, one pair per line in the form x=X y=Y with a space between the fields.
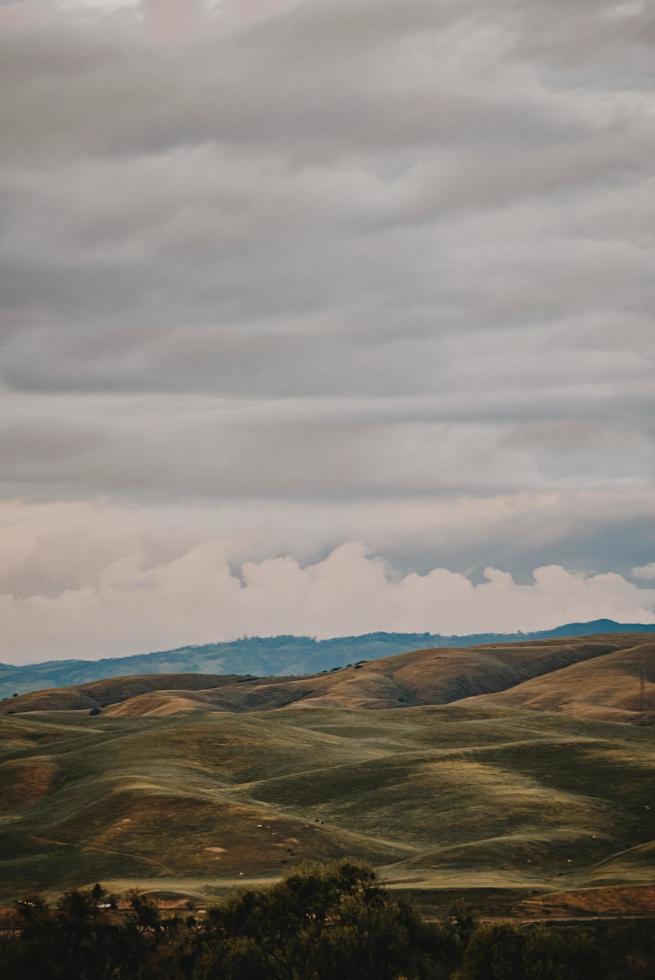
x=505 y=952
x=327 y=923
x=322 y=923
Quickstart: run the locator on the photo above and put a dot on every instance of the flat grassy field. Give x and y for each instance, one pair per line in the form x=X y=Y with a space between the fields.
x=467 y=798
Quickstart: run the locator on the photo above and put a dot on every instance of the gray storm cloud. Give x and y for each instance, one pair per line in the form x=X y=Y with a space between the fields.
x=279 y=276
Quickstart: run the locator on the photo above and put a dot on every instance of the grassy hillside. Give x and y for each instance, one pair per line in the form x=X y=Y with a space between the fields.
x=99 y=694
x=434 y=676
x=268 y=656
x=438 y=797
x=473 y=794
x=615 y=687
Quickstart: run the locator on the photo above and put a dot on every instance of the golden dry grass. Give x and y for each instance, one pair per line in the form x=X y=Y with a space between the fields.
x=617 y=686
x=438 y=676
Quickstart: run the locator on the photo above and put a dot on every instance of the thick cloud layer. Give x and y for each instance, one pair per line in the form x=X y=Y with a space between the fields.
x=124 y=595
x=286 y=274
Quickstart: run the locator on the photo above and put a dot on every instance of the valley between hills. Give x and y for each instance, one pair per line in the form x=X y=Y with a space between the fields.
x=511 y=774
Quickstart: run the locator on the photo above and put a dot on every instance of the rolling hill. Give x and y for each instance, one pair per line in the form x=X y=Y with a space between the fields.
x=99 y=694
x=438 y=797
x=270 y=656
x=614 y=687
x=189 y=790
x=434 y=676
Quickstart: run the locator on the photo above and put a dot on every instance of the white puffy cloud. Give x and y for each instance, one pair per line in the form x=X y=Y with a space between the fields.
x=646 y=572
x=134 y=604
x=91 y=580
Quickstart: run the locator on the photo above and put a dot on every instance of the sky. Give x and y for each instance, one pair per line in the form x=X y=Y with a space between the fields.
x=323 y=317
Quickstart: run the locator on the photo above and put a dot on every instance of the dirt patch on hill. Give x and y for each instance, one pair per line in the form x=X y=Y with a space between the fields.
x=26 y=781
x=614 y=901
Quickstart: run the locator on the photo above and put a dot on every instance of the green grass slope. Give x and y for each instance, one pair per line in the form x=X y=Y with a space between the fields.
x=447 y=797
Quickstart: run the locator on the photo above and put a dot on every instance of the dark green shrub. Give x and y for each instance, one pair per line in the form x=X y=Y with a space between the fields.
x=508 y=952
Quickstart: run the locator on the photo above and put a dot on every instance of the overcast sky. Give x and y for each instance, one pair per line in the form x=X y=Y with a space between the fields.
x=323 y=316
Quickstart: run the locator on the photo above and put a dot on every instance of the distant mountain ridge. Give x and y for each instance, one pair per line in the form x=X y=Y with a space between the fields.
x=611 y=677
x=273 y=656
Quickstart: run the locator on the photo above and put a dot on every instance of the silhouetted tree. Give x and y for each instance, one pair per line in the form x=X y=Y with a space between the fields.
x=509 y=952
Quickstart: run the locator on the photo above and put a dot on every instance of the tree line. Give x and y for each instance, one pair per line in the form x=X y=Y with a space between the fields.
x=334 y=922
